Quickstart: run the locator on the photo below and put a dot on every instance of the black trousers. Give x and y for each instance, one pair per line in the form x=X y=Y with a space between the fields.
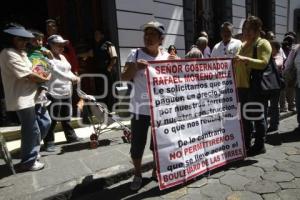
x=252 y=121
x=60 y=110
x=273 y=110
x=102 y=85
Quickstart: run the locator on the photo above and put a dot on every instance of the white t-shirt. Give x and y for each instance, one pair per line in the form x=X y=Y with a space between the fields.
x=19 y=91
x=229 y=50
x=140 y=101
x=60 y=84
x=282 y=53
x=206 y=53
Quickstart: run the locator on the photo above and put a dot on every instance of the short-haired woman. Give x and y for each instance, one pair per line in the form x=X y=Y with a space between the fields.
x=60 y=91
x=135 y=66
x=244 y=63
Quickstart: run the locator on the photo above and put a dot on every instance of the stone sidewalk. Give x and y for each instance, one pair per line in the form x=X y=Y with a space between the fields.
x=75 y=170
x=271 y=176
x=70 y=165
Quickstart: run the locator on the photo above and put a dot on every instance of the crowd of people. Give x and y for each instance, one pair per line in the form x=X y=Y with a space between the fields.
x=34 y=96
x=38 y=72
x=251 y=53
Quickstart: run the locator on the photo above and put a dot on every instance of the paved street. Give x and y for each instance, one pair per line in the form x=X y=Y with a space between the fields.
x=71 y=165
x=77 y=172
x=270 y=176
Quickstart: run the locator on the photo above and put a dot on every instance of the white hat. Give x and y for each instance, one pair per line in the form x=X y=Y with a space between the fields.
x=19 y=31
x=57 y=39
x=156 y=25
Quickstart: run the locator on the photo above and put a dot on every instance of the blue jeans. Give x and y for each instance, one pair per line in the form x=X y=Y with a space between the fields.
x=30 y=136
x=44 y=120
x=35 y=123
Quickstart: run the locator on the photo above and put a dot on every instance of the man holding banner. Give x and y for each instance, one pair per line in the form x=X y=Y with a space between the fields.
x=135 y=66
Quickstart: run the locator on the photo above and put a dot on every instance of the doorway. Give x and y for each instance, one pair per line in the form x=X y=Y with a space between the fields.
x=30 y=13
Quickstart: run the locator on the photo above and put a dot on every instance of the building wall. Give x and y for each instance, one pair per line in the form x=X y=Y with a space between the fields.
x=281 y=18
x=294 y=4
x=131 y=14
x=280 y=13
x=238 y=15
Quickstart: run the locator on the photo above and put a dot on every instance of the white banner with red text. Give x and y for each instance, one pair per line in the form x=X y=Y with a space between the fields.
x=194 y=117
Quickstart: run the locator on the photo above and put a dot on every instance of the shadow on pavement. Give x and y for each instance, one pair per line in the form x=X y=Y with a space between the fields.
x=291 y=136
x=82 y=146
x=5 y=171
x=96 y=189
x=285 y=137
x=88 y=185
x=122 y=192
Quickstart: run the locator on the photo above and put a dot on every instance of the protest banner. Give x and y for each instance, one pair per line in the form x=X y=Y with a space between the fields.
x=194 y=117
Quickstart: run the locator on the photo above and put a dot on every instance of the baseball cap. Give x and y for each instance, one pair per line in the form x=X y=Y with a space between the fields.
x=19 y=31
x=156 y=25
x=57 y=39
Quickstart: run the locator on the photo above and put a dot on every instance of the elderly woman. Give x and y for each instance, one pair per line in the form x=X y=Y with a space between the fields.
x=60 y=93
x=202 y=44
x=20 y=87
x=135 y=70
x=194 y=52
x=254 y=54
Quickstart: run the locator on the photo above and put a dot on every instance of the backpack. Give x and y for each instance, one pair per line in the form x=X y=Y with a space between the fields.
x=263 y=82
x=110 y=51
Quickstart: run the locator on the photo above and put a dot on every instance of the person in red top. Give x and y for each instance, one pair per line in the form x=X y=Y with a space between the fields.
x=69 y=52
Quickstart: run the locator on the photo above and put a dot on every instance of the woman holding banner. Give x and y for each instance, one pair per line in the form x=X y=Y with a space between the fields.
x=254 y=54
x=135 y=66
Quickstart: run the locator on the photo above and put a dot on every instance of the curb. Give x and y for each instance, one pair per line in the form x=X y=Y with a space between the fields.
x=13 y=133
x=121 y=174
x=98 y=180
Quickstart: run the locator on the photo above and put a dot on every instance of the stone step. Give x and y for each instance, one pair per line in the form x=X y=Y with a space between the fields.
x=13 y=133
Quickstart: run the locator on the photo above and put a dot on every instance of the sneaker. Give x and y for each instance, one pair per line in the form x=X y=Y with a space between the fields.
x=136 y=183
x=38 y=157
x=50 y=147
x=36 y=166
